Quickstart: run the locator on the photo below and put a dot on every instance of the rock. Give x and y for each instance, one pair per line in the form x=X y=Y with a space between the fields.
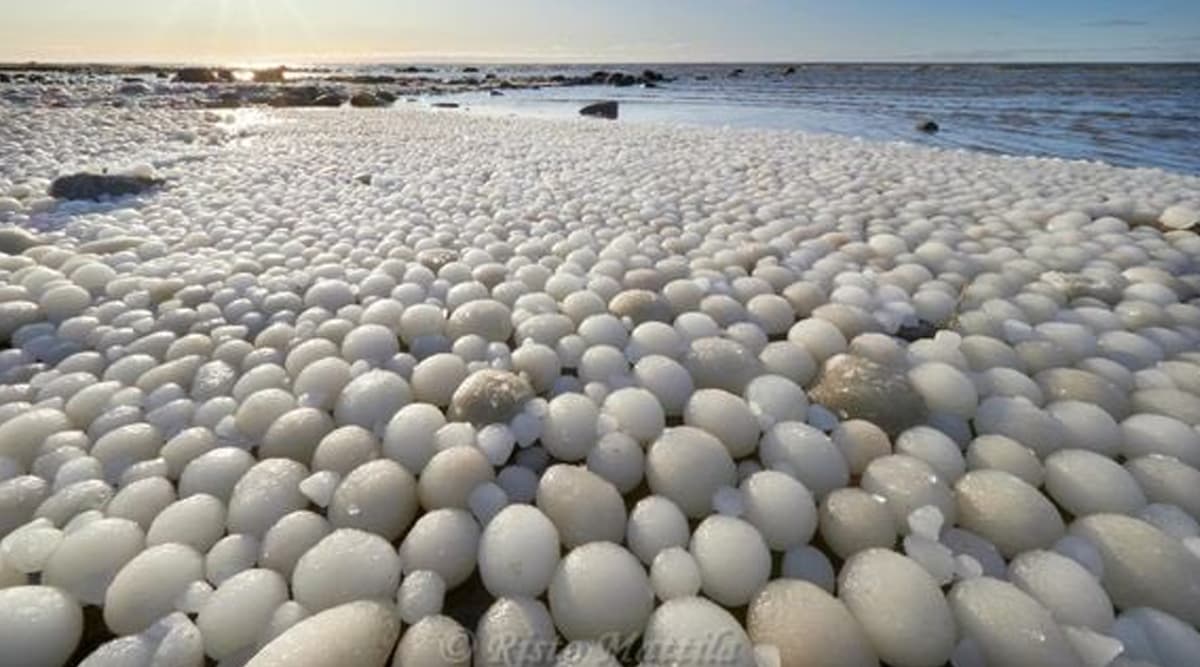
x=789 y=71
x=495 y=93
x=95 y=186
x=621 y=79
x=927 y=126
x=445 y=105
x=736 y=72
x=14 y=241
x=386 y=96
x=470 y=70
x=364 y=100
x=202 y=75
x=855 y=387
x=607 y=110
x=329 y=100
x=651 y=76
x=273 y=75
x=489 y=397
x=134 y=88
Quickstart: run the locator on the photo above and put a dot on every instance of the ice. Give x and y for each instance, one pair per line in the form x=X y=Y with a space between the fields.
x=806 y=453
x=1156 y=637
x=569 y=430
x=687 y=465
x=87 y=559
x=1071 y=593
x=450 y=477
x=811 y=565
x=421 y=595
x=1083 y=482
x=1007 y=512
x=900 y=607
x=239 y=611
x=361 y=631
x=600 y=591
x=378 y=497
x=518 y=552
x=438 y=641
x=1143 y=566
x=444 y=541
x=145 y=589
x=806 y=624
x=726 y=416
x=214 y=381
x=39 y=625
x=486 y=500
x=515 y=630
x=583 y=506
x=733 y=558
x=1009 y=627
x=229 y=556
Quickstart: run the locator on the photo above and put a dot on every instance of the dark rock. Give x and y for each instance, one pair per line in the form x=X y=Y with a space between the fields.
x=927 y=126
x=131 y=79
x=386 y=96
x=651 y=75
x=136 y=87
x=702 y=77
x=227 y=100
x=365 y=79
x=363 y=179
x=4 y=78
x=202 y=75
x=736 y=72
x=607 y=110
x=495 y=93
x=789 y=71
x=470 y=70
x=649 y=84
x=489 y=76
x=95 y=186
x=274 y=75
x=329 y=100
x=37 y=78
x=445 y=105
x=162 y=75
x=621 y=79
x=365 y=100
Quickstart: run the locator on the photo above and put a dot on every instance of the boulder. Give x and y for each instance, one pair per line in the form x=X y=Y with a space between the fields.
x=95 y=186
x=329 y=100
x=789 y=71
x=366 y=100
x=927 y=126
x=202 y=75
x=273 y=75
x=607 y=110
x=621 y=79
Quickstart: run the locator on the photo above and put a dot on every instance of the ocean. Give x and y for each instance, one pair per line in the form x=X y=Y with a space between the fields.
x=1132 y=115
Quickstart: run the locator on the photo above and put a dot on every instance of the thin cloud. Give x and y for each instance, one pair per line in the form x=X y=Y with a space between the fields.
x=1116 y=23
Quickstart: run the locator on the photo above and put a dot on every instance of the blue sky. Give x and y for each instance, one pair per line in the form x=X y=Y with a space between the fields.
x=262 y=31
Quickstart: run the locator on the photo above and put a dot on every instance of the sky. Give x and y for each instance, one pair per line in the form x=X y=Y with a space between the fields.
x=295 y=31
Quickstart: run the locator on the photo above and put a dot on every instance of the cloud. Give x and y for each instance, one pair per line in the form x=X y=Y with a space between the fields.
x=1116 y=23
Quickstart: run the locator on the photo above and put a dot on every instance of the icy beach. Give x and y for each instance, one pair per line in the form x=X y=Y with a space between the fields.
x=422 y=387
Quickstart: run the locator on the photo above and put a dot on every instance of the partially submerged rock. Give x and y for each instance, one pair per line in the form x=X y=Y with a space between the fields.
x=928 y=127
x=607 y=110
x=855 y=387
x=366 y=100
x=95 y=186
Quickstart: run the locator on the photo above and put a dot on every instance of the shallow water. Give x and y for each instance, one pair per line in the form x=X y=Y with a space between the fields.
x=1129 y=115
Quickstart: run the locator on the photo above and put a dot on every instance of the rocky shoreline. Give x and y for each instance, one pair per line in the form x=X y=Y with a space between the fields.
x=280 y=87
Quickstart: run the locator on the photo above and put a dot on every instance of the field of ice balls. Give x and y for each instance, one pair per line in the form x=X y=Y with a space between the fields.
x=424 y=389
